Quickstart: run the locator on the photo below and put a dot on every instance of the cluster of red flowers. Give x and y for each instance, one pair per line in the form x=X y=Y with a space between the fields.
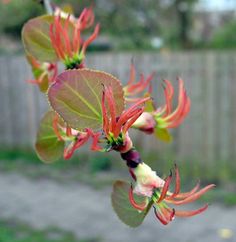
x=161 y=197
x=65 y=35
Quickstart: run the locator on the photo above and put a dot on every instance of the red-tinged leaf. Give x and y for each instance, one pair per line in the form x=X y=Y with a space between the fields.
x=36 y=40
x=121 y=205
x=48 y=147
x=76 y=95
x=163 y=134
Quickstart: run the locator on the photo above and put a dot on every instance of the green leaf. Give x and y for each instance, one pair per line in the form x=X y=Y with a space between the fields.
x=76 y=96
x=121 y=204
x=163 y=134
x=43 y=86
x=36 y=39
x=149 y=105
x=48 y=147
x=39 y=73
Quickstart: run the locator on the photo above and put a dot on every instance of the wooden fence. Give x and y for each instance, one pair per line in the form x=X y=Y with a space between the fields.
x=209 y=133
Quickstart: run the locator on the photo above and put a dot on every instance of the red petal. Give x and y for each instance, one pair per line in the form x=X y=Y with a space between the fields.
x=76 y=39
x=172 y=215
x=160 y=217
x=180 y=106
x=91 y=38
x=112 y=108
x=94 y=145
x=141 y=206
x=170 y=89
x=132 y=74
x=132 y=120
x=193 y=197
x=127 y=114
x=165 y=188
x=187 y=194
x=69 y=151
x=190 y=213
x=168 y=213
x=68 y=131
x=104 y=115
x=177 y=183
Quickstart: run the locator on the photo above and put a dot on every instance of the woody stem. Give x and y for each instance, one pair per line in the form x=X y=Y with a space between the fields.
x=132 y=158
x=48 y=6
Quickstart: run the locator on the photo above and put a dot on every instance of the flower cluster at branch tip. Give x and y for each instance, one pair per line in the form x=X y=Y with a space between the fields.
x=65 y=35
x=116 y=128
x=74 y=138
x=44 y=73
x=76 y=95
x=132 y=89
x=158 y=120
x=165 y=116
x=157 y=194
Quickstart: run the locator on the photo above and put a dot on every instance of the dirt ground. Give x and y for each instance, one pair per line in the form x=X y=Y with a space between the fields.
x=87 y=212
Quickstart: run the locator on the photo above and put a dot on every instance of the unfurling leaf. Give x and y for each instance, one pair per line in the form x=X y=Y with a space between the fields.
x=76 y=96
x=149 y=105
x=48 y=147
x=36 y=40
x=121 y=204
x=163 y=134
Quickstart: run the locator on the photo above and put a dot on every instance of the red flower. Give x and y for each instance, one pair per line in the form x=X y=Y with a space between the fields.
x=134 y=88
x=161 y=197
x=158 y=120
x=86 y=19
x=165 y=116
x=75 y=138
x=44 y=73
x=114 y=127
x=69 y=47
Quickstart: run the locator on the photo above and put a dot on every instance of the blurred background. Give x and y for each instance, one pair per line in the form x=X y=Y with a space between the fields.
x=69 y=201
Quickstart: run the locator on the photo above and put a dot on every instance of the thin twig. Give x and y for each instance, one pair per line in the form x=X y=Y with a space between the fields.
x=48 y=6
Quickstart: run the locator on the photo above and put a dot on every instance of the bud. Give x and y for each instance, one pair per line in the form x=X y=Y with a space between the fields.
x=145 y=123
x=146 y=180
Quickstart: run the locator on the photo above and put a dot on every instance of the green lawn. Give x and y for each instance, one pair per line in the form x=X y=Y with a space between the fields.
x=18 y=232
x=99 y=170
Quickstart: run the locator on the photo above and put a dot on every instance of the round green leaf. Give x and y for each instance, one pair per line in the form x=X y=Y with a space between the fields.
x=48 y=147
x=76 y=96
x=36 y=39
x=121 y=204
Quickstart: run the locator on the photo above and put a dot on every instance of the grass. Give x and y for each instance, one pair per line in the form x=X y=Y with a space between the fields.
x=220 y=195
x=90 y=168
x=99 y=170
x=18 y=232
